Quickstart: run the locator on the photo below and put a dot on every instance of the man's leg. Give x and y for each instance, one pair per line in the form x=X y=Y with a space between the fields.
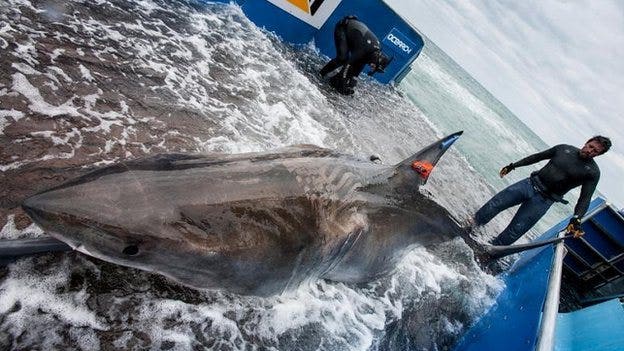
x=330 y=67
x=508 y=197
x=528 y=214
x=342 y=51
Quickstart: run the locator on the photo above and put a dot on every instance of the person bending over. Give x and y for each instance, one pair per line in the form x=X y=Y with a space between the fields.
x=356 y=46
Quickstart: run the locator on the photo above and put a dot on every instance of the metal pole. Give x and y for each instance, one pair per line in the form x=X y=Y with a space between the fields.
x=546 y=336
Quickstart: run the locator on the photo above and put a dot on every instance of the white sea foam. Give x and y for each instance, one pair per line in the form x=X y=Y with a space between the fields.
x=27 y=52
x=86 y=74
x=24 y=68
x=10 y=231
x=14 y=114
x=60 y=73
x=37 y=102
x=38 y=293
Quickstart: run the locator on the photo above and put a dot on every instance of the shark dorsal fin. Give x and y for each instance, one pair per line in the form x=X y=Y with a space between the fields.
x=417 y=168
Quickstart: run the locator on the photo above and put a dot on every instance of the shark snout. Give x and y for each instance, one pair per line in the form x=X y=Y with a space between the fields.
x=61 y=218
x=47 y=208
x=34 y=209
x=38 y=210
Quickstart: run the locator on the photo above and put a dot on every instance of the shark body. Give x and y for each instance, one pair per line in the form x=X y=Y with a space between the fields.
x=255 y=223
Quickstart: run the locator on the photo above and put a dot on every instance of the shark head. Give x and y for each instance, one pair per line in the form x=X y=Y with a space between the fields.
x=147 y=234
x=87 y=218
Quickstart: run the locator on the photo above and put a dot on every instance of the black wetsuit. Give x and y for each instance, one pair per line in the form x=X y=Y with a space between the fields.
x=565 y=171
x=356 y=46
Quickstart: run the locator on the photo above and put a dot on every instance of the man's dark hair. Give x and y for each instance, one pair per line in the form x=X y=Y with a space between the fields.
x=604 y=141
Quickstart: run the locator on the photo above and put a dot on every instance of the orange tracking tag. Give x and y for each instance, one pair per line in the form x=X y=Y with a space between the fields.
x=423 y=168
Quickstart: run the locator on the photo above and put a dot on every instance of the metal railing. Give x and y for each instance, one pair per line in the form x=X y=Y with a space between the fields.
x=546 y=333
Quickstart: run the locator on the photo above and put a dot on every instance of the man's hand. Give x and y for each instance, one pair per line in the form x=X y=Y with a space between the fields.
x=574 y=227
x=505 y=170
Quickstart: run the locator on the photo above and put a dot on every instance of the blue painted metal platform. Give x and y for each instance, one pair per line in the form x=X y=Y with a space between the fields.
x=306 y=21
x=596 y=259
x=596 y=328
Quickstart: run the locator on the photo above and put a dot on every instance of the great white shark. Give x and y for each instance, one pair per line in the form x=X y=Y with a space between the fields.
x=252 y=223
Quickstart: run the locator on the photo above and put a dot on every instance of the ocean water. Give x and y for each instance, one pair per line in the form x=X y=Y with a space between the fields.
x=87 y=83
x=494 y=136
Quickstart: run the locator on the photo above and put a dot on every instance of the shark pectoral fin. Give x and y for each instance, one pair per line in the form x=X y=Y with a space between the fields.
x=343 y=233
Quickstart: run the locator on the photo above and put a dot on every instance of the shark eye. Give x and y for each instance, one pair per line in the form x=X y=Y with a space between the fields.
x=131 y=250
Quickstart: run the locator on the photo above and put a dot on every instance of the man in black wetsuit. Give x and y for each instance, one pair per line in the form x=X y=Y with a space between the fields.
x=567 y=168
x=356 y=46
